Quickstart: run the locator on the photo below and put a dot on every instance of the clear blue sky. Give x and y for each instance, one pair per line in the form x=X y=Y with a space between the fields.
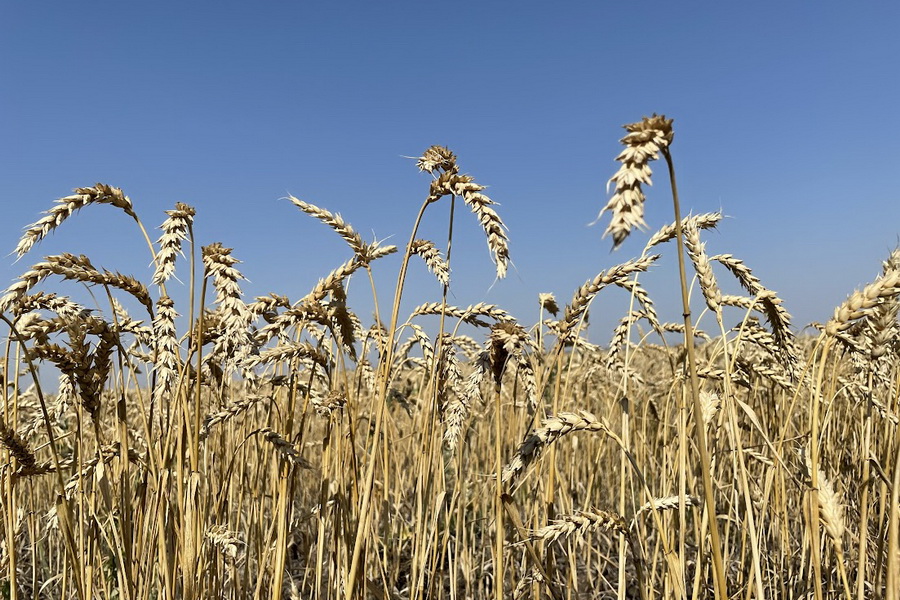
x=785 y=118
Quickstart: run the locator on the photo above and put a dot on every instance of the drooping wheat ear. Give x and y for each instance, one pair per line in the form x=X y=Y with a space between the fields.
x=449 y=182
x=335 y=221
x=425 y=344
x=507 y=340
x=831 y=510
x=341 y=321
x=697 y=253
x=667 y=503
x=548 y=303
x=523 y=587
x=585 y=294
x=754 y=333
x=78 y=268
x=18 y=447
x=285 y=449
x=331 y=281
x=229 y=412
x=65 y=207
x=468 y=315
x=741 y=271
x=580 y=524
x=449 y=376
x=228 y=542
x=457 y=410
x=667 y=232
x=436 y=159
x=235 y=340
x=331 y=405
x=642 y=296
x=64 y=306
x=175 y=230
x=709 y=406
x=100 y=365
x=267 y=306
x=165 y=337
x=779 y=318
x=493 y=227
x=295 y=316
x=881 y=326
x=105 y=454
x=433 y=259
x=860 y=304
x=642 y=144
x=292 y=351
x=620 y=337
x=551 y=430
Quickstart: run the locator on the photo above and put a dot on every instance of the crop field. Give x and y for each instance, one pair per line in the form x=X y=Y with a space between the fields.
x=210 y=445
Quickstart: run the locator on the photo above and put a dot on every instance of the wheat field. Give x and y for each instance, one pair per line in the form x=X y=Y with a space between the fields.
x=210 y=445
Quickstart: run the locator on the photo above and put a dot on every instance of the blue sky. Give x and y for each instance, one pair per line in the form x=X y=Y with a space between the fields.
x=784 y=118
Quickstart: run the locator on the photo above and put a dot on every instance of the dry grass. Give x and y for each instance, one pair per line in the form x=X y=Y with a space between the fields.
x=220 y=446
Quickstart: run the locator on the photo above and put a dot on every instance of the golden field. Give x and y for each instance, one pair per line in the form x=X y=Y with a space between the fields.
x=218 y=446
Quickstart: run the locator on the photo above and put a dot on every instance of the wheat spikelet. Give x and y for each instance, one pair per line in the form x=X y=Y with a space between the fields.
x=709 y=406
x=175 y=230
x=752 y=332
x=101 y=363
x=449 y=182
x=667 y=232
x=65 y=207
x=18 y=447
x=267 y=306
x=522 y=587
x=881 y=326
x=551 y=430
x=332 y=281
x=697 y=252
x=167 y=355
x=667 y=503
x=643 y=297
x=619 y=338
x=285 y=449
x=642 y=144
x=580 y=524
x=332 y=404
x=741 y=271
x=336 y=222
x=342 y=322
x=831 y=510
x=295 y=316
x=78 y=268
x=738 y=301
x=436 y=159
x=583 y=296
x=105 y=455
x=457 y=410
x=548 y=303
x=468 y=315
x=235 y=341
x=433 y=259
x=860 y=303
x=228 y=542
x=679 y=328
x=232 y=410
x=292 y=351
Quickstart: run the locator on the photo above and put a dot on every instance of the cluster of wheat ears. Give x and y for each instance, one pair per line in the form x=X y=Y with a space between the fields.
x=207 y=446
